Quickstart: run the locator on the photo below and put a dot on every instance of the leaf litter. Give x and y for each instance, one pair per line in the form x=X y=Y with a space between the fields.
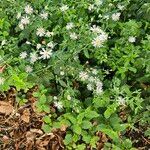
x=20 y=126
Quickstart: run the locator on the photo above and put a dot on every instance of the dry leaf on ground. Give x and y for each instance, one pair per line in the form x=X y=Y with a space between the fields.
x=6 y=108
x=26 y=115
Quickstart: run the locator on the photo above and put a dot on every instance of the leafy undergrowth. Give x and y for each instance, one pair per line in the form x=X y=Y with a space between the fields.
x=21 y=127
x=90 y=62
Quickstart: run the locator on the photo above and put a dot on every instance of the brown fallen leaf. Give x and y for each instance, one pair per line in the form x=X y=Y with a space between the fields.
x=26 y=115
x=30 y=136
x=36 y=131
x=5 y=139
x=6 y=108
x=29 y=140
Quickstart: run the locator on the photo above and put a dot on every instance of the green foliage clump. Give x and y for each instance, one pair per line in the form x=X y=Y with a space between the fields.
x=91 y=60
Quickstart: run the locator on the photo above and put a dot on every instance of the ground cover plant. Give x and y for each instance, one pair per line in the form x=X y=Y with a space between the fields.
x=74 y=75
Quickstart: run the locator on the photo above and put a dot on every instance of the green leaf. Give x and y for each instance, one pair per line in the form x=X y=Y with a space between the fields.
x=147 y=132
x=68 y=139
x=46 y=108
x=91 y=114
x=62 y=83
x=77 y=129
x=93 y=141
x=42 y=99
x=127 y=143
x=87 y=138
x=47 y=119
x=80 y=118
x=81 y=147
x=46 y=128
x=110 y=110
x=112 y=134
x=70 y=117
x=36 y=94
x=133 y=69
x=86 y=124
x=75 y=137
x=86 y=53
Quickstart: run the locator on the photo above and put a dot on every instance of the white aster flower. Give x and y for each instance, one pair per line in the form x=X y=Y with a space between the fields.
x=55 y=97
x=25 y=20
x=28 y=43
x=38 y=46
x=62 y=73
x=33 y=57
x=96 y=29
x=83 y=75
x=121 y=7
x=64 y=8
x=99 y=40
x=90 y=87
x=40 y=32
x=100 y=16
x=2 y=80
x=110 y=5
x=23 y=55
x=18 y=15
x=99 y=87
x=121 y=100
x=45 y=54
x=28 y=69
x=44 y=15
x=68 y=97
x=91 y=7
x=58 y=105
x=3 y=42
x=73 y=36
x=103 y=36
x=91 y=79
x=50 y=45
x=116 y=16
x=69 y=25
x=76 y=57
x=49 y=34
x=28 y=9
x=21 y=26
x=94 y=71
x=131 y=39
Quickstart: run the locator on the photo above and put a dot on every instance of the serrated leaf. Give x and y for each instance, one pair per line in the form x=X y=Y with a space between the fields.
x=86 y=124
x=46 y=108
x=68 y=139
x=46 y=128
x=42 y=99
x=110 y=110
x=91 y=114
x=47 y=119
x=77 y=129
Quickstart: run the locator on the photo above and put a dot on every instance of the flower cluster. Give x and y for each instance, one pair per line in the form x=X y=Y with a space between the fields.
x=44 y=51
x=100 y=36
x=93 y=82
x=26 y=17
x=57 y=104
